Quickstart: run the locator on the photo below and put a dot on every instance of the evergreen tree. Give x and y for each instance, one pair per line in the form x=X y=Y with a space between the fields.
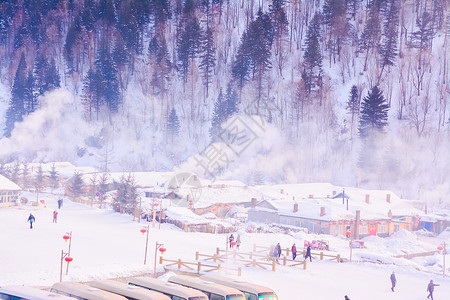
x=16 y=108
x=240 y=69
x=39 y=179
x=25 y=176
x=335 y=17
x=370 y=39
x=374 y=113
x=207 y=58
x=76 y=188
x=188 y=46
x=163 y=65
x=173 y=124
x=126 y=199
x=53 y=178
x=312 y=70
x=353 y=105
x=220 y=108
x=388 y=47
x=30 y=100
x=103 y=185
x=231 y=100
x=423 y=37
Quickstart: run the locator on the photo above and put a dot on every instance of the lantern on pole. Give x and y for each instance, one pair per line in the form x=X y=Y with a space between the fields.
x=68 y=259
x=143 y=231
x=66 y=237
x=162 y=250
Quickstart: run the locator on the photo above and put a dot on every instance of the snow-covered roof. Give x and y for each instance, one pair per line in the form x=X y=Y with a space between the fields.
x=8 y=185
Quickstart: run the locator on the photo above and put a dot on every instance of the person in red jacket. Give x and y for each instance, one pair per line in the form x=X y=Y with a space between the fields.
x=55 y=216
x=294 y=252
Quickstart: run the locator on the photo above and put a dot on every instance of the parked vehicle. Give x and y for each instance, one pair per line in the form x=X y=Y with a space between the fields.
x=83 y=291
x=20 y=292
x=129 y=291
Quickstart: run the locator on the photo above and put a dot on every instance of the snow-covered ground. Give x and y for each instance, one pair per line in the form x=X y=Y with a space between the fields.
x=108 y=245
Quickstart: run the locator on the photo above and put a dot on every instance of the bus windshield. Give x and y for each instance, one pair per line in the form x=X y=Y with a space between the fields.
x=267 y=296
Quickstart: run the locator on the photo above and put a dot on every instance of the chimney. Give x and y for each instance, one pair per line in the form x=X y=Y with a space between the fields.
x=322 y=211
x=367 y=198
x=295 y=207
x=390 y=214
x=311 y=196
x=282 y=191
x=388 y=198
x=334 y=193
x=253 y=202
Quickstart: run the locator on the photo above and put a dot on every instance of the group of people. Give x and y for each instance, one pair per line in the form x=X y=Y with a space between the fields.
x=275 y=252
x=232 y=243
x=32 y=218
x=430 y=287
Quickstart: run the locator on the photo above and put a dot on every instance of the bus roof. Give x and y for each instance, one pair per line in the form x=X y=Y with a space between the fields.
x=129 y=291
x=204 y=285
x=238 y=284
x=84 y=291
x=167 y=287
x=27 y=292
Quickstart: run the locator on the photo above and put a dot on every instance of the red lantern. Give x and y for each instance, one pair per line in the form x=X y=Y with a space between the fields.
x=66 y=237
x=42 y=187
x=334 y=223
x=318 y=222
x=340 y=223
x=162 y=250
x=68 y=259
x=143 y=230
x=156 y=204
x=233 y=244
x=440 y=248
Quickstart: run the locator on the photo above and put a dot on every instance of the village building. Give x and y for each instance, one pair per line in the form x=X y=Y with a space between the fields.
x=9 y=192
x=354 y=213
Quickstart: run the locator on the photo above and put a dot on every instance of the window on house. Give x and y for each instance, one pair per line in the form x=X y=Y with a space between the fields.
x=382 y=228
x=363 y=229
x=396 y=227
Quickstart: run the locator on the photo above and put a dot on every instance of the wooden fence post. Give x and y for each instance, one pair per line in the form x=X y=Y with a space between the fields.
x=254 y=263
x=179 y=264
x=338 y=258
x=160 y=260
x=250 y=255
x=284 y=261
x=321 y=255
x=239 y=271
x=304 y=264
x=217 y=250
x=215 y=257
x=304 y=253
x=196 y=255
x=287 y=251
x=273 y=266
x=199 y=266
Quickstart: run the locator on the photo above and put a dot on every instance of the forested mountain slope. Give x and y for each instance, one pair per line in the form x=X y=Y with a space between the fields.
x=345 y=91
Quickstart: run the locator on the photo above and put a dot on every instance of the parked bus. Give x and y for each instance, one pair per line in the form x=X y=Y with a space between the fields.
x=83 y=291
x=213 y=290
x=19 y=292
x=173 y=291
x=129 y=291
x=251 y=291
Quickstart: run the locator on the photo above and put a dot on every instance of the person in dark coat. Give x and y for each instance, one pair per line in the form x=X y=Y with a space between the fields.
x=59 y=203
x=294 y=252
x=346 y=297
x=393 y=280
x=308 y=253
x=430 y=289
x=230 y=240
x=278 y=249
x=31 y=219
x=238 y=241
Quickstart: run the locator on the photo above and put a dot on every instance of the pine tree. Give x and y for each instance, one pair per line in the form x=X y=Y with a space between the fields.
x=353 y=106
x=173 y=124
x=370 y=39
x=76 y=188
x=388 y=47
x=53 y=178
x=374 y=113
x=312 y=71
x=103 y=186
x=220 y=108
x=16 y=109
x=240 y=69
x=335 y=17
x=207 y=58
x=25 y=176
x=231 y=100
x=188 y=46
x=39 y=179
x=126 y=199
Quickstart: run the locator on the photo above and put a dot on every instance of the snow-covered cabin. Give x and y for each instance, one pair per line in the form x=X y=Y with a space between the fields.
x=9 y=192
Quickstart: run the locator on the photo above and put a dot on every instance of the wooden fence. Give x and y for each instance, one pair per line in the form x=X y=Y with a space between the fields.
x=193 y=267
x=321 y=255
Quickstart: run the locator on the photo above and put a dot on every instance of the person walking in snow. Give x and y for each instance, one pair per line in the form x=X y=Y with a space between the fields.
x=59 y=203
x=308 y=253
x=238 y=241
x=430 y=289
x=230 y=240
x=55 y=216
x=393 y=280
x=31 y=219
x=346 y=297
x=278 y=247
x=294 y=252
